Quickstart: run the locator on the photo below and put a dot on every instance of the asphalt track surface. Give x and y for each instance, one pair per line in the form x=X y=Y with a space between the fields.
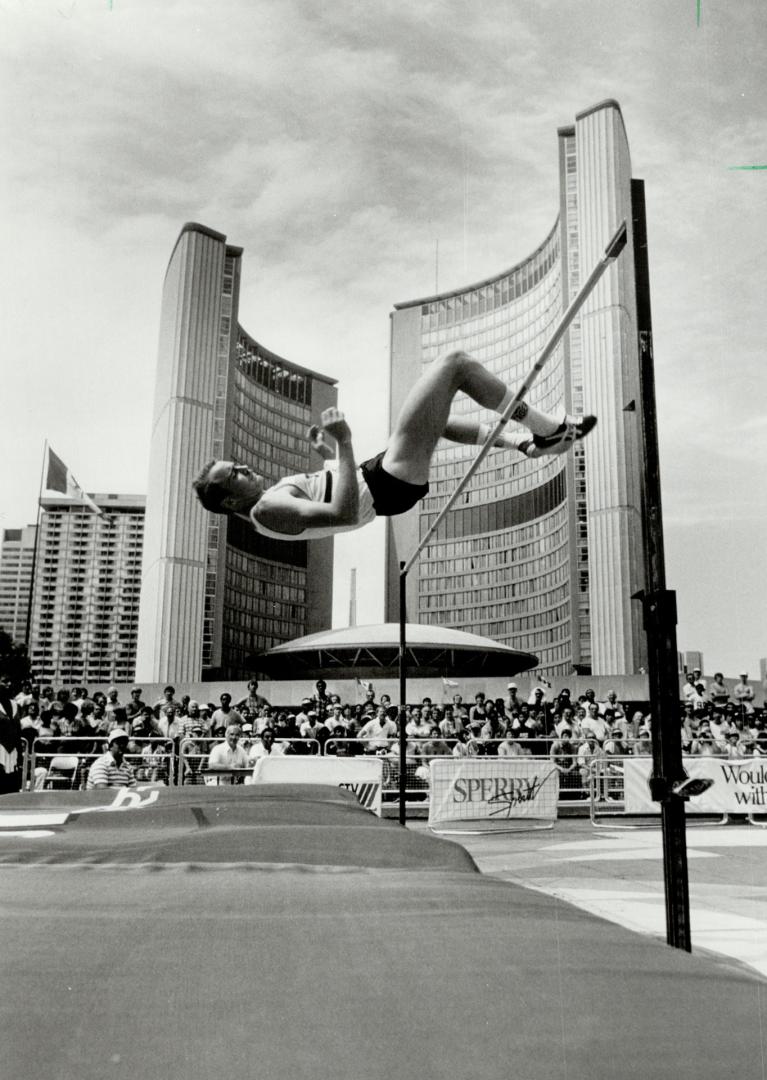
x=276 y=933
x=617 y=874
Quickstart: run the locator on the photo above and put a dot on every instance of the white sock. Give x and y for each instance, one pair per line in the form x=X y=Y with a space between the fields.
x=510 y=440
x=538 y=422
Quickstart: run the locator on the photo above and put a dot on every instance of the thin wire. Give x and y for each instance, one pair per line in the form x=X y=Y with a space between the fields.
x=612 y=251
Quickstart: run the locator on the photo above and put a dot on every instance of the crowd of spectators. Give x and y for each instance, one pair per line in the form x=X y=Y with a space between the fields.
x=231 y=735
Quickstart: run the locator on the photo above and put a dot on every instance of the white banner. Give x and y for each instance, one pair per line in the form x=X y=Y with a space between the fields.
x=739 y=787
x=361 y=775
x=494 y=788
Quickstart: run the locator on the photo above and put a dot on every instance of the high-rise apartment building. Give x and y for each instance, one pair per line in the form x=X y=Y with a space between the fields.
x=87 y=585
x=543 y=555
x=16 y=557
x=214 y=592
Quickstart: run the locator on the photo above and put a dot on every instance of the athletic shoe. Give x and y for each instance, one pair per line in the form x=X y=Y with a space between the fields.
x=571 y=430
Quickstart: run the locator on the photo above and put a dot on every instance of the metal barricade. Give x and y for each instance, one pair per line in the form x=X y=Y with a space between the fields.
x=193 y=754
x=63 y=763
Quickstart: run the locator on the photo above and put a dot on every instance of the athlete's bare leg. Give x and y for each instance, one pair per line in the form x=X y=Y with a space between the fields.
x=425 y=416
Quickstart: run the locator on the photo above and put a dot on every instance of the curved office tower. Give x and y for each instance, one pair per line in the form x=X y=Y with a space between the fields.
x=542 y=555
x=213 y=592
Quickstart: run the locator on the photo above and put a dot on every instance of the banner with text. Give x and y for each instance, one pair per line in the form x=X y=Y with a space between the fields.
x=739 y=787
x=492 y=788
x=361 y=775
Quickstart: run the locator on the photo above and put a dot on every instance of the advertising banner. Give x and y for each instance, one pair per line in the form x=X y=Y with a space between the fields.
x=492 y=788
x=739 y=787
x=361 y=775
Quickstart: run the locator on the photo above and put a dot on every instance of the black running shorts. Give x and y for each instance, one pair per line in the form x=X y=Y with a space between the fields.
x=391 y=496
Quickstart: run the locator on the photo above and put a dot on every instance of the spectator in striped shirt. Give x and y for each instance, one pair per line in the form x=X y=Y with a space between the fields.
x=111 y=770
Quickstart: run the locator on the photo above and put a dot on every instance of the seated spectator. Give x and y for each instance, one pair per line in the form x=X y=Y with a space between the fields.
x=461 y=744
x=303 y=712
x=594 y=724
x=145 y=724
x=435 y=745
x=335 y=717
x=562 y=702
x=615 y=744
x=154 y=762
x=537 y=701
x=229 y=754
x=566 y=722
x=449 y=726
x=705 y=745
x=418 y=727
x=643 y=743
x=267 y=746
x=286 y=726
x=378 y=732
x=193 y=753
x=509 y=746
x=590 y=756
x=492 y=729
x=689 y=689
x=114 y=708
x=720 y=728
x=477 y=712
x=611 y=708
x=563 y=755
x=310 y=726
x=526 y=745
x=475 y=744
x=460 y=711
x=111 y=769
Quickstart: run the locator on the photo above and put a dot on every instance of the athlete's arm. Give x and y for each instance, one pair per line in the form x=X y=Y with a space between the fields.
x=290 y=513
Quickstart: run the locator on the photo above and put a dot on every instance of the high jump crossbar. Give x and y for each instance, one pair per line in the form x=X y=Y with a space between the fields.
x=611 y=253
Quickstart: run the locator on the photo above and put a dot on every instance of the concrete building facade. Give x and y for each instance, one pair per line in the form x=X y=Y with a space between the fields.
x=213 y=591
x=86 y=590
x=17 y=555
x=544 y=555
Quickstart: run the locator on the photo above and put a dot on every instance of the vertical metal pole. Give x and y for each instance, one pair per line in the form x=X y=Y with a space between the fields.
x=660 y=619
x=402 y=694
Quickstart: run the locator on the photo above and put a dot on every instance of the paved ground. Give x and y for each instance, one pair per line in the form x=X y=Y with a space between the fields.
x=618 y=874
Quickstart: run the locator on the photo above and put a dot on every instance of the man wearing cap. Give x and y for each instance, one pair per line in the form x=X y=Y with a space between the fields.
x=111 y=769
x=513 y=700
x=744 y=694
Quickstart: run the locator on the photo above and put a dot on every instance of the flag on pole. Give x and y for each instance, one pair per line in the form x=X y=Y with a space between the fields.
x=59 y=478
x=448 y=682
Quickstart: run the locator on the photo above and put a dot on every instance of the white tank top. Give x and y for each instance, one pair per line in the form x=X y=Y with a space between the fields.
x=314 y=486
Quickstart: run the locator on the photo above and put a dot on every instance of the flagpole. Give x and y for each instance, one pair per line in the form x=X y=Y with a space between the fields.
x=34 y=555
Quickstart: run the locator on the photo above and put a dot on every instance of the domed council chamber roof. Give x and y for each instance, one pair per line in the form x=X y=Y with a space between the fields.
x=370 y=651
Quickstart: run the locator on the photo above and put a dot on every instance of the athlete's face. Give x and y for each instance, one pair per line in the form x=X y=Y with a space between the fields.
x=239 y=480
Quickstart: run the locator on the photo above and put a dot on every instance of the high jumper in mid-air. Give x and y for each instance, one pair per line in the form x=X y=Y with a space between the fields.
x=313 y=505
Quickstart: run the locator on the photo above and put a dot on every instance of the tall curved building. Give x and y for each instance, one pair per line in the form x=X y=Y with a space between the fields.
x=213 y=592
x=542 y=555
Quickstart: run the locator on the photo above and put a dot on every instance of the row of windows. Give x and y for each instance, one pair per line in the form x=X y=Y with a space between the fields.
x=273 y=374
x=497 y=293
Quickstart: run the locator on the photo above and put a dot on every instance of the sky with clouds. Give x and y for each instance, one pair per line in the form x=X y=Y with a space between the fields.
x=344 y=146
